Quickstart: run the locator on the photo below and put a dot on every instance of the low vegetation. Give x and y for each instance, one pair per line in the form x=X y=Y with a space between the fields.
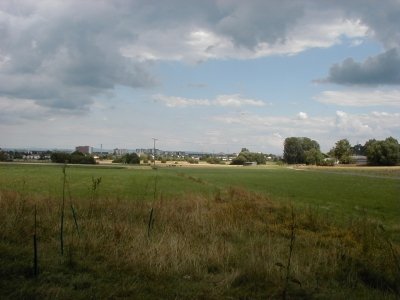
x=227 y=243
x=72 y=158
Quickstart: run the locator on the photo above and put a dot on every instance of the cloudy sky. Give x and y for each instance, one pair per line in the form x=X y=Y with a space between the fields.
x=198 y=75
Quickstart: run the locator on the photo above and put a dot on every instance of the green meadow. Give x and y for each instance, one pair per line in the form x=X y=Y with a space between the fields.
x=341 y=192
x=196 y=232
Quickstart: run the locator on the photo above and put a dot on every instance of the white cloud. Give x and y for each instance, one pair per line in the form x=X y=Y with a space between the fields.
x=351 y=125
x=234 y=100
x=199 y=44
x=172 y=101
x=361 y=98
x=324 y=129
x=302 y=116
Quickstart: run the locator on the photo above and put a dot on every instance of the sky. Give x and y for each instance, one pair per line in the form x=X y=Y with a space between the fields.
x=213 y=76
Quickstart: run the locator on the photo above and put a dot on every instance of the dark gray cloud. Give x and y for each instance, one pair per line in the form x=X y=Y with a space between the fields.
x=381 y=69
x=383 y=21
x=261 y=21
x=63 y=56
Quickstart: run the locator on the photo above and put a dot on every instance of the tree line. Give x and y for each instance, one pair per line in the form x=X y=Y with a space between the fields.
x=297 y=150
x=303 y=150
x=72 y=158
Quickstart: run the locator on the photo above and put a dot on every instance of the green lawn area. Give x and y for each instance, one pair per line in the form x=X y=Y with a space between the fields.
x=343 y=193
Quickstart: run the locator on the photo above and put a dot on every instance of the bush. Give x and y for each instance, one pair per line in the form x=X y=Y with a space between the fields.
x=60 y=157
x=213 y=160
x=4 y=156
x=132 y=158
x=240 y=160
x=327 y=163
x=192 y=160
x=73 y=158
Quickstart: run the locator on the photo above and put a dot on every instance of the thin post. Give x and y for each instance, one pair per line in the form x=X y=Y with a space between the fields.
x=154 y=151
x=35 y=251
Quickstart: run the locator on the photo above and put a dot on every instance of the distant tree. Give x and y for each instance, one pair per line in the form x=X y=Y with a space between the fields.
x=342 y=151
x=300 y=150
x=239 y=160
x=293 y=151
x=191 y=160
x=246 y=156
x=4 y=156
x=213 y=160
x=384 y=153
x=15 y=154
x=73 y=158
x=313 y=157
x=60 y=157
x=132 y=158
x=358 y=149
x=81 y=158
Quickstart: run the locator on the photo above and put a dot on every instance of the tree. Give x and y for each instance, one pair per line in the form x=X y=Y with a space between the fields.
x=239 y=160
x=4 y=156
x=342 y=151
x=246 y=156
x=60 y=157
x=81 y=158
x=358 y=149
x=300 y=150
x=73 y=158
x=132 y=158
x=384 y=153
x=313 y=157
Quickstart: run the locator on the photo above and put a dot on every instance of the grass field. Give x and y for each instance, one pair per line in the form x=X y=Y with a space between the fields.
x=200 y=232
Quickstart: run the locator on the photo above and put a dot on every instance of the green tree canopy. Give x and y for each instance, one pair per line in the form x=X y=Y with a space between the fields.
x=246 y=156
x=73 y=158
x=301 y=150
x=384 y=153
x=132 y=158
x=342 y=151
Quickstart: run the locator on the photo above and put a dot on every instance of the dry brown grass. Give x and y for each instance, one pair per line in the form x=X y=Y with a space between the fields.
x=234 y=245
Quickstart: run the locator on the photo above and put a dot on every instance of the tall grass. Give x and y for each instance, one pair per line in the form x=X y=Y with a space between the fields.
x=201 y=247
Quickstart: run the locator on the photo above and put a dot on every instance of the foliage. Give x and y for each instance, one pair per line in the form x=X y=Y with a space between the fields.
x=327 y=162
x=342 y=151
x=191 y=160
x=301 y=150
x=81 y=158
x=213 y=160
x=246 y=156
x=60 y=157
x=129 y=158
x=313 y=157
x=239 y=160
x=4 y=156
x=132 y=158
x=73 y=158
x=144 y=157
x=358 y=149
x=384 y=153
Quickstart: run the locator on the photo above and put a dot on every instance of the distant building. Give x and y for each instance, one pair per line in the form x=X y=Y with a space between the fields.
x=120 y=152
x=84 y=149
